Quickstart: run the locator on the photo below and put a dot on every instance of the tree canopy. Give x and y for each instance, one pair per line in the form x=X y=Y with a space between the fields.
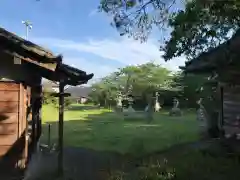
x=143 y=81
x=201 y=25
x=135 y=80
x=137 y=17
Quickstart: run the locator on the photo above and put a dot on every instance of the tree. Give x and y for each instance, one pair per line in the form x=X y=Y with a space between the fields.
x=137 y=17
x=146 y=79
x=190 y=86
x=48 y=98
x=203 y=24
x=135 y=80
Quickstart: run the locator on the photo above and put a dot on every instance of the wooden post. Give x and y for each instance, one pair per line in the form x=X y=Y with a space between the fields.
x=60 y=128
x=49 y=135
x=61 y=96
x=33 y=135
x=39 y=108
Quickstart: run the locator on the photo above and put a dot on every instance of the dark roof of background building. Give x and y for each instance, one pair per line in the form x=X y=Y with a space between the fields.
x=219 y=56
x=79 y=91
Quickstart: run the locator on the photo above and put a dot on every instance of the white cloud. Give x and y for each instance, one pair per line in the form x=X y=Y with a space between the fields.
x=93 y=12
x=90 y=67
x=126 y=51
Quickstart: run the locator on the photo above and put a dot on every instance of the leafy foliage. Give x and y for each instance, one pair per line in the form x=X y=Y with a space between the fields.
x=191 y=88
x=137 y=17
x=48 y=98
x=201 y=26
x=138 y=81
x=143 y=80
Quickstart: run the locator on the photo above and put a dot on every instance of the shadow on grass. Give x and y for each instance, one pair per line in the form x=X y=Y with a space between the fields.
x=109 y=131
x=105 y=143
x=208 y=161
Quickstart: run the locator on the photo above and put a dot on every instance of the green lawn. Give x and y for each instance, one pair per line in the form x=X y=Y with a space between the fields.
x=208 y=161
x=101 y=129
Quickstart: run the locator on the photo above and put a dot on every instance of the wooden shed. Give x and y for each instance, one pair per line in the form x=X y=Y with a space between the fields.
x=22 y=67
x=223 y=65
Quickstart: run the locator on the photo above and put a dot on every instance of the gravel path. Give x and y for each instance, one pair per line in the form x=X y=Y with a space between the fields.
x=85 y=164
x=79 y=164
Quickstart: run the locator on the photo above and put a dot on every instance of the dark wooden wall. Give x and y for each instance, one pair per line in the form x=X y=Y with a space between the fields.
x=9 y=112
x=12 y=138
x=16 y=125
x=231 y=109
x=20 y=107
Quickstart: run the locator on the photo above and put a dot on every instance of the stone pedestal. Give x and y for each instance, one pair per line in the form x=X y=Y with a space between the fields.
x=202 y=121
x=130 y=109
x=119 y=107
x=157 y=107
x=175 y=112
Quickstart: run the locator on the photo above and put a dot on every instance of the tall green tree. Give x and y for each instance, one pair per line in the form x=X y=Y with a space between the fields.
x=136 y=80
x=203 y=24
x=190 y=86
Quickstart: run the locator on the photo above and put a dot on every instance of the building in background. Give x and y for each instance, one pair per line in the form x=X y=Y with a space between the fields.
x=79 y=94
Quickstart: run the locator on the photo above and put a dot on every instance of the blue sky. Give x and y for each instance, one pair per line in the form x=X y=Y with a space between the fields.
x=83 y=36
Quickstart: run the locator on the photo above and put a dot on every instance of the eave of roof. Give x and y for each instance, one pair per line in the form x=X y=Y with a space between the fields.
x=69 y=75
x=38 y=57
x=74 y=76
x=215 y=58
x=13 y=43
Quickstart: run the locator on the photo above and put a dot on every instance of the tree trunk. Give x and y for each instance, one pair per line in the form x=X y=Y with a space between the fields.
x=105 y=103
x=150 y=115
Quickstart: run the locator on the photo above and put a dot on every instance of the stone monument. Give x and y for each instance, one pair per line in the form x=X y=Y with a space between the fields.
x=130 y=103
x=129 y=113
x=119 y=107
x=149 y=110
x=202 y=118
x=175 y=111
x=157 y=106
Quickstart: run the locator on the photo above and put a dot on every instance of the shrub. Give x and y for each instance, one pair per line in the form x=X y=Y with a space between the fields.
x=67 y=102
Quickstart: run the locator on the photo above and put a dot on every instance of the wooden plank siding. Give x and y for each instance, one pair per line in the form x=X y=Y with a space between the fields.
x=7 y=96
x=9 y=107
x=231 y=109
x=8 y=128
x=9 y=120
x=7 y=139
x=9 y=86
x=14 y=108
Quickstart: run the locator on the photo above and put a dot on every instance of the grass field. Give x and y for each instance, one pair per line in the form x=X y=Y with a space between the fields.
x=164 y=138
x=100 y=129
